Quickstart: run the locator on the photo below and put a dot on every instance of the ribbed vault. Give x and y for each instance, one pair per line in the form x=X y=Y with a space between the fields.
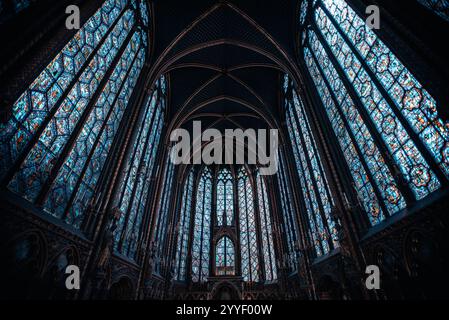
x=222 y=62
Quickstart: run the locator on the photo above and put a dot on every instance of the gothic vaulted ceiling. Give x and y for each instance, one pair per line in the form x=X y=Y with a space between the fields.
x=223 y=64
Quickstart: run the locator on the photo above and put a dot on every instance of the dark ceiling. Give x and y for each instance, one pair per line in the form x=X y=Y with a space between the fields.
x=224 y=59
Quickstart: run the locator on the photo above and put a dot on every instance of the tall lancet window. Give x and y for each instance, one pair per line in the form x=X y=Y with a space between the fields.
x=386 y=122
x=225 y=257
x=164 y=207
x=266 y=230
x=225 y=198
x=62 y=127
x=440 y=7
x=248 y=231
x=315 y=189
x=202 y=226
x=184 y=228
x=289 y=225
x=138 y=171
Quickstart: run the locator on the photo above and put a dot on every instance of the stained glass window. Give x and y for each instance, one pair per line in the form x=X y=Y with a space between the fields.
x=224 y=257
x=382 y=116
x=266 y=230
x=94 y=141
x=39 y=163
x=62 y=127
x=144 y=12
x=248 y=232
x=315 y=189
x=202 y=225
x=225 y=198
x=440 y=7
x=164 y=206
x=289 y=226
x=139 y=170
x=184 y=229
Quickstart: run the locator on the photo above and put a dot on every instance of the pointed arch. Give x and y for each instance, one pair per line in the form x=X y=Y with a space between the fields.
x=225 y=257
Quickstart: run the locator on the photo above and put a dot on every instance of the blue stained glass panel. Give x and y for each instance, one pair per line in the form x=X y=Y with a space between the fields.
x=288 y=213
x=248 y=231
x=362 y=183
x=184 y=229
x=34 y=105
x=201 y=231
x=440 y=7
x=414 y=168
x=266 y=230
x=36 y=168
x=93 y=128
x=225 y=198
x=224 y=257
